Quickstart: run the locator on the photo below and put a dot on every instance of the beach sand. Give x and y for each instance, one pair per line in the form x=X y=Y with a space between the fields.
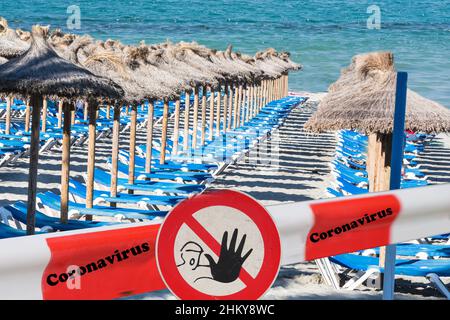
x=296 y=169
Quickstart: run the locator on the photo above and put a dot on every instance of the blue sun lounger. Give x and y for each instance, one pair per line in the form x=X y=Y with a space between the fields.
x=412 y=249
x=9 y=232
x=104 y=178
x=432 y=269
x=197 y=177
x=19 y=212
x=53 y=202
x=78 y=190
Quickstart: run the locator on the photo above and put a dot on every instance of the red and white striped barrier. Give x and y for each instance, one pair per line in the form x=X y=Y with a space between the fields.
x=117 y=261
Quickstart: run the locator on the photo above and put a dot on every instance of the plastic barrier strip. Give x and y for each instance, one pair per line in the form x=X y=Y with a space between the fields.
x=119 y=261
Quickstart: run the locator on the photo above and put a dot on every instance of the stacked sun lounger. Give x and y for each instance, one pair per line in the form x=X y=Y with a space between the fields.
x=151 y=194
x=431 y=260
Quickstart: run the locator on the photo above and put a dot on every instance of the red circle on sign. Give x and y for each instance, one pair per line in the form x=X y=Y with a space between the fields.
x=184 y=211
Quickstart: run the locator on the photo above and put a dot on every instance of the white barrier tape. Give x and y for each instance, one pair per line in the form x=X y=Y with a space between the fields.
x=416 y=213
x=119 y=260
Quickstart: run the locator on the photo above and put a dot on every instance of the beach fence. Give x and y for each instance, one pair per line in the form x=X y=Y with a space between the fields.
x=49 y=266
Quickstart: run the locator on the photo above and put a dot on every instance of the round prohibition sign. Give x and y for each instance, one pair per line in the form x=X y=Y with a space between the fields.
x=219 y=245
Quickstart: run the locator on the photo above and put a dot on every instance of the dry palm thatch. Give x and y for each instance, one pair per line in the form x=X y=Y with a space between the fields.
x=41 y=71
x=281 y=60
x=162 y=59
x=24 y=35
x=199 y=57
x=286 y=57
x=253 y=73
x=243 y=72
x=158 y=83
x=110 y=64
x=11 y=45
x=197 y=76
x=270 y=69
x=363 y=99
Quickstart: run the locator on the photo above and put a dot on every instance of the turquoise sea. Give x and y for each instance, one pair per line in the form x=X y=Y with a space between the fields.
x=322 y=35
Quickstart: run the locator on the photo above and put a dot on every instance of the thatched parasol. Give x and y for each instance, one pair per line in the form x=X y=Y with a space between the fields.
x=363 y=99
x=41 y=72
x=11 y=45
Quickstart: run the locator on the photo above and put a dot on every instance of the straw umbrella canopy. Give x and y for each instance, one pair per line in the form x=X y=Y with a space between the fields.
x=162 y=56
x=199 y=57
x=24 y=35
x=11 y=45
x=363 y=99
x=40 y=72
x=270 y=69
x=159 y=83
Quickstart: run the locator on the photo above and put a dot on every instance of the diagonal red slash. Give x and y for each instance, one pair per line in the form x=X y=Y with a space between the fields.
x=214 y=245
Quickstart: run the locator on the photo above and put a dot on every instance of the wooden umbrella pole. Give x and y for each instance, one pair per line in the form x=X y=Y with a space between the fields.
x=187 y=105
x=73 y=114
x=8 y=115
x=241 y=119
x=91 y=158
x=65 y=162
x=231 y=100
x=276 y=89
x=379 y=168
x=149 y=142
x=176 y=127
x=281 y=81
x=34 y=158
x=247 y=104
x=108 y=111
x=60 y=113
x=219 y=99
x=115 y=153
x=235 y=109
x=272 y=90
x=287 y=84
x=255 y=101
x=27 y=116
x=281 y=86
x=162 y=158
x=239 y=107
x=211 y=114
x=263 y=94
x=225 y=107
x=202 y=139
x=258 y=95
x=131 y=161
x=44 y=115
x=266 y=96
x=250 y=102
x=195 y=120
x=85 y=111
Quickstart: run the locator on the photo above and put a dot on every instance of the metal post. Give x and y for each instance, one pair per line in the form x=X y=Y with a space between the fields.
x=398 y=140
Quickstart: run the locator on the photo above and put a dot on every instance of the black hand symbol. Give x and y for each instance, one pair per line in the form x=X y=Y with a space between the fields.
x=230 y=261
